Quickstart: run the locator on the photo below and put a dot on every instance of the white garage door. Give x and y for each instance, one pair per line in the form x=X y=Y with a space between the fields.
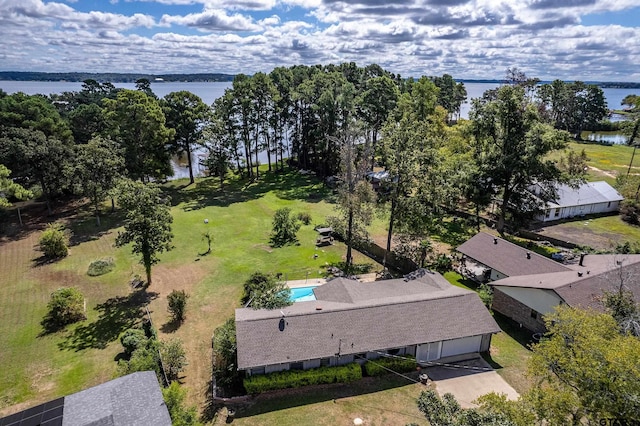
x=465 y=345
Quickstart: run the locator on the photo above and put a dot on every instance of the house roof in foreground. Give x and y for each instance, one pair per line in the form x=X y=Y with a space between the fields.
x=506 y=257
x=132 y=400
x=351 y=317
x=584 y=284
x=587 y=193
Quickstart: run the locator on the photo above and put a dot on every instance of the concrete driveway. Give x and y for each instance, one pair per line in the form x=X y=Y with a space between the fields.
x=467 y=384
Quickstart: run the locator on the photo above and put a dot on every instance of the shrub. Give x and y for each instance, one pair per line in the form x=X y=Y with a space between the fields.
x=181 y=414
x=142 y=359
x=304 y=217
x=54 y=241
x=400 y=365
x=284 y=229
x=101 y=266
x=174 y=358
x=225 y=353
x=65 y=307
x=630 y=212
x=296 y=378
x=265 y=292
x=132 y=339
x=486 y=295
x=177 y=304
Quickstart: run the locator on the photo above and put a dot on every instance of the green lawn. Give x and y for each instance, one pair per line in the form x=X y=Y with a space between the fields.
x=612 y=159
x=384 y=400
x=38 y=368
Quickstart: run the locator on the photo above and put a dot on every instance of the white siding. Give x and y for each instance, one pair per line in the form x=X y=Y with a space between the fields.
x=314 y=363
x=495 y=275
x=466 y=345
x=541 y=300
x=277 y=367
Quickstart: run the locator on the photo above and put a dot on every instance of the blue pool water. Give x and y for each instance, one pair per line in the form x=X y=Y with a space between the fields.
x=303 y=294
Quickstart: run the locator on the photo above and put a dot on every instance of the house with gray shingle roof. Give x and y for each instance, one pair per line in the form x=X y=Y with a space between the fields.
x=499 y=258
x=422 y=315
x=132 y=400
x=527 y=287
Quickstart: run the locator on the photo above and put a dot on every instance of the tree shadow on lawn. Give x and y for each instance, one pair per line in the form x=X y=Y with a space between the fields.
x=170 y=326
x=117 y=314
x=84 y=228
x=289 y=398
x=288 y=185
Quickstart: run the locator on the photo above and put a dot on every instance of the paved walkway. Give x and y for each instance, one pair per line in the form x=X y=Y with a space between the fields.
x=468 y=384
x=365 y=278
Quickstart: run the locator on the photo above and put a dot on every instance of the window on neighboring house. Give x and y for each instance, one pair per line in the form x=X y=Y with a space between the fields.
x=534 y=314
x=393 y=351
x=296 y=366
x=609 y=204
x=361 y=356
x=547 y=213
x=557 y=213
x=257 y=370
x=325 y=362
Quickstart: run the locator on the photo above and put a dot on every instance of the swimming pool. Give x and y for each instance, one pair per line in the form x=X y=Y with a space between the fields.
x=303 y=294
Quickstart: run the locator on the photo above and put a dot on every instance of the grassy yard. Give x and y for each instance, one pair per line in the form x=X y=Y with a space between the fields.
x=607 y=161
x=38 y=368
x=602 y=233
x=385 y=400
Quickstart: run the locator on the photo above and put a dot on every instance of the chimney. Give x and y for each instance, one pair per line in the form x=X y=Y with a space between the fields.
x=581 y=259
x=495 y=241
x=528 y=255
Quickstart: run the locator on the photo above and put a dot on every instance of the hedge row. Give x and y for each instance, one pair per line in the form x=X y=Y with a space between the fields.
x=399 y=365
x=298 y=378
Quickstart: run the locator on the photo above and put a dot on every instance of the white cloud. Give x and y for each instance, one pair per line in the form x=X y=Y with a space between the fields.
x=468 y=39
x=213 y=20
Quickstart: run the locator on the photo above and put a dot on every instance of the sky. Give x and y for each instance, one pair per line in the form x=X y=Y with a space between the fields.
x=589 y=40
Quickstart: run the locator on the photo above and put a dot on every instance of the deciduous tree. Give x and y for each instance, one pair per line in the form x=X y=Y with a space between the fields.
x=147 y=222
x=513 y=146
x=136 y=122
x=99 y=164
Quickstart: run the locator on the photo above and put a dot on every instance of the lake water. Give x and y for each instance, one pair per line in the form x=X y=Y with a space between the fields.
x=209 y=92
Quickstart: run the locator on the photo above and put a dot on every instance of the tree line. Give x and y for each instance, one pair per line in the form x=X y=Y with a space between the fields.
x=332 y=120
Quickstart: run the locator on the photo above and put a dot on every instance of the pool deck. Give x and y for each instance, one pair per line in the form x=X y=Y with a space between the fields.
x=365 y=278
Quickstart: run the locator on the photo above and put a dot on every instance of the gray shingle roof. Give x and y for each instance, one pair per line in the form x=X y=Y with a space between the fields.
x=372 y=316
x=506 y=257
x=132 y=400
x=586 y=290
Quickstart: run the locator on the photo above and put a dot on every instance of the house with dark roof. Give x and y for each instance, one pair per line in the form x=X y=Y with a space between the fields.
x=526 y=288
x=490 y=258
x=588 y=198
x=132 y=400
x=421 y=315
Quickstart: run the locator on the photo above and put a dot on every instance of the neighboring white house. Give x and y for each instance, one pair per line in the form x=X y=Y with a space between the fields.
x=422 y=315
x=527 y=286
x=588 y=198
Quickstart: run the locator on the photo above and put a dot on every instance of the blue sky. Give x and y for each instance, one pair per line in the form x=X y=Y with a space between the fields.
x=567 y=39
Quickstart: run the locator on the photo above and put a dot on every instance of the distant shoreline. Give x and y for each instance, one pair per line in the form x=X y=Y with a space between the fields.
x=209 y=77
x=78 y=77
